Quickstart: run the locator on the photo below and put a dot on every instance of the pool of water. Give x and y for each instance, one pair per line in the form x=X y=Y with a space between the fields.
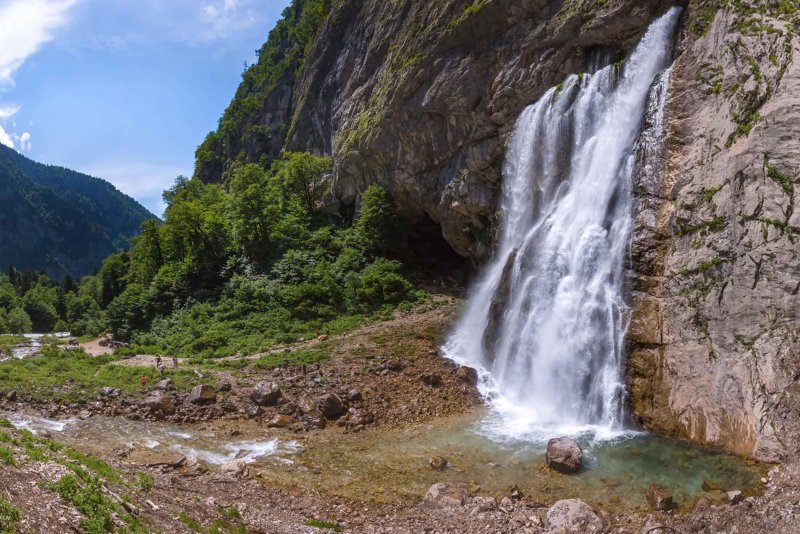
x=391 y=465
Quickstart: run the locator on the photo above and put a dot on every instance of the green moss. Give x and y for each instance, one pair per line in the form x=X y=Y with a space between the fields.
x=468 y=11
x=716 y=224
x=9 y=517
x=781 y=178
x=323 y=525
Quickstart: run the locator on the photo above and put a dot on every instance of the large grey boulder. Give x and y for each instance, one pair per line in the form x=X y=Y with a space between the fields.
x=266 y=393
x=564 y=454
x=572 y=516
x=159 y=401
x=203 y=394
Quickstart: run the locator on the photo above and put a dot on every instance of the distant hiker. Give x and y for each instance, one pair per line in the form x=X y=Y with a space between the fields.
x=158 y=361
x=143 y=380
x=174 y=361
x=160 y=368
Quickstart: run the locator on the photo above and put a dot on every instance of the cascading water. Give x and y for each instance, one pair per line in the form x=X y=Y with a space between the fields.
x=547 y=319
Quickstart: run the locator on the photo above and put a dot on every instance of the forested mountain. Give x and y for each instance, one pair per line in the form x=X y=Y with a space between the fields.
x=58 y=220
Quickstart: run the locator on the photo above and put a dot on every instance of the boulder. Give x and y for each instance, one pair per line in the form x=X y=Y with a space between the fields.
x=432 y=379
x=735 y=497
x=306 y=405
x=266 y=393
x=12 y=395
x=254 y=410
x=203 y=394
x=164 y=384
x=110 y=392
x=659 y=497
x=573 y=516
x=224 y=386
x=331 y=406
x=437 y=463
x=467 y=375
x=159 y=401
x=445 y=495
x=236 y=468
x=564 y=454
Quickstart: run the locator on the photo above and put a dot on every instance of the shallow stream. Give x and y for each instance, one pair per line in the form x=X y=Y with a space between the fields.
x=391 y=465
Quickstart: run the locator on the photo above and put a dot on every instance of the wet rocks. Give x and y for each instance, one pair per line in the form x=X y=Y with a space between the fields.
x=564 y=455
x=573 y=516
x=266 y=393
x=159 y=402
x=468 y=375
x=437 y=463
x=709 y=485
x=203 y=394
x=445 y=495
x=659 y=497
x=331 y=406
x=735 y=497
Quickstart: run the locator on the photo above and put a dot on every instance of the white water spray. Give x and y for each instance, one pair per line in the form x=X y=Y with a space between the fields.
x=547 y=320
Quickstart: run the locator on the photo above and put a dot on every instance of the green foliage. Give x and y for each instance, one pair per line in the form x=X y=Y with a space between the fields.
x=323 y=525
x=189 y=522
x=7 y=456
x=237 y=138
x=18 y=322
x=144 y=481
x=70 y=375
x=78 y=220
x=9 y=517
x=89 y=499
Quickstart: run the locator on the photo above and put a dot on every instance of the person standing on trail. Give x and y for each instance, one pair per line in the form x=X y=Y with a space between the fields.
x=143 y=380
x=174 y=361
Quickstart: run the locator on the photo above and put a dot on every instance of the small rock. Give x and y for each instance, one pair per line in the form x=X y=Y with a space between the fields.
x=203 y=394
x=437 y=463
x=266 y=393
x=164 y=384
x=573 y=516
x=306 y=405
x=354 y=395
x=659 y=497
x=395 y=364
x=506 y=505
x=445 y=495
x=12 y=395
x=236 y=468
x=564 y=454
x=254 y=411
x=224 y=386
x=313 y=422
x=432 y=379
x=110 y=392
x=735 y=497
x=467 y=375
x=281 y=421
x=331 y=406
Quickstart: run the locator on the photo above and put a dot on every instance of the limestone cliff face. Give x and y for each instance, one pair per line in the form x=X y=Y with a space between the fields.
x=420 y=96
x=716 y=330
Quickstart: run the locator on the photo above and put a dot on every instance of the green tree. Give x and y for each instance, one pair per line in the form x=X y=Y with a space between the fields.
x=377 y=223
x=19 y=322
x=40 y=305
x=301 y=175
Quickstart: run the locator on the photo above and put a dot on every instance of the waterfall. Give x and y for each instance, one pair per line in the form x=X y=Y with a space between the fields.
x=546 y=321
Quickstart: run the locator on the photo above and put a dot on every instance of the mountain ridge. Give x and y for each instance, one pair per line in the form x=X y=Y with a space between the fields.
x=58 y=220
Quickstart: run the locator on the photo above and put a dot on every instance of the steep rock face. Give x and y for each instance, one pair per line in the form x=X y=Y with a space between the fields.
x=716 y=329
x=420 y=96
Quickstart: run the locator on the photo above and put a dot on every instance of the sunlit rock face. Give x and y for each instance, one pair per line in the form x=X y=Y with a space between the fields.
x=714 y=337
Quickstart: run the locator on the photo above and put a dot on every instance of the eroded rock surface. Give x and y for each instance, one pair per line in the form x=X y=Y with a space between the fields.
x=715 y=346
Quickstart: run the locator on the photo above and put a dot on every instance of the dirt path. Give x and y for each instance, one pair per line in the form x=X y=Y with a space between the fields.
x=93 y=348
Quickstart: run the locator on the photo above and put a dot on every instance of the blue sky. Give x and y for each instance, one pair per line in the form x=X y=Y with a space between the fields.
x=123 y=89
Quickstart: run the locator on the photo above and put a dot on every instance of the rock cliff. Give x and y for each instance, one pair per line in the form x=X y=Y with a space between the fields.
x=421 y=97
x=716 y=354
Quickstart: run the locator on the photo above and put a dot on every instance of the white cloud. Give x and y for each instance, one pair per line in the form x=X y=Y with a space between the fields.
x=7 y=112
x=26 y=26
x=5 y=138
x=25 y=142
